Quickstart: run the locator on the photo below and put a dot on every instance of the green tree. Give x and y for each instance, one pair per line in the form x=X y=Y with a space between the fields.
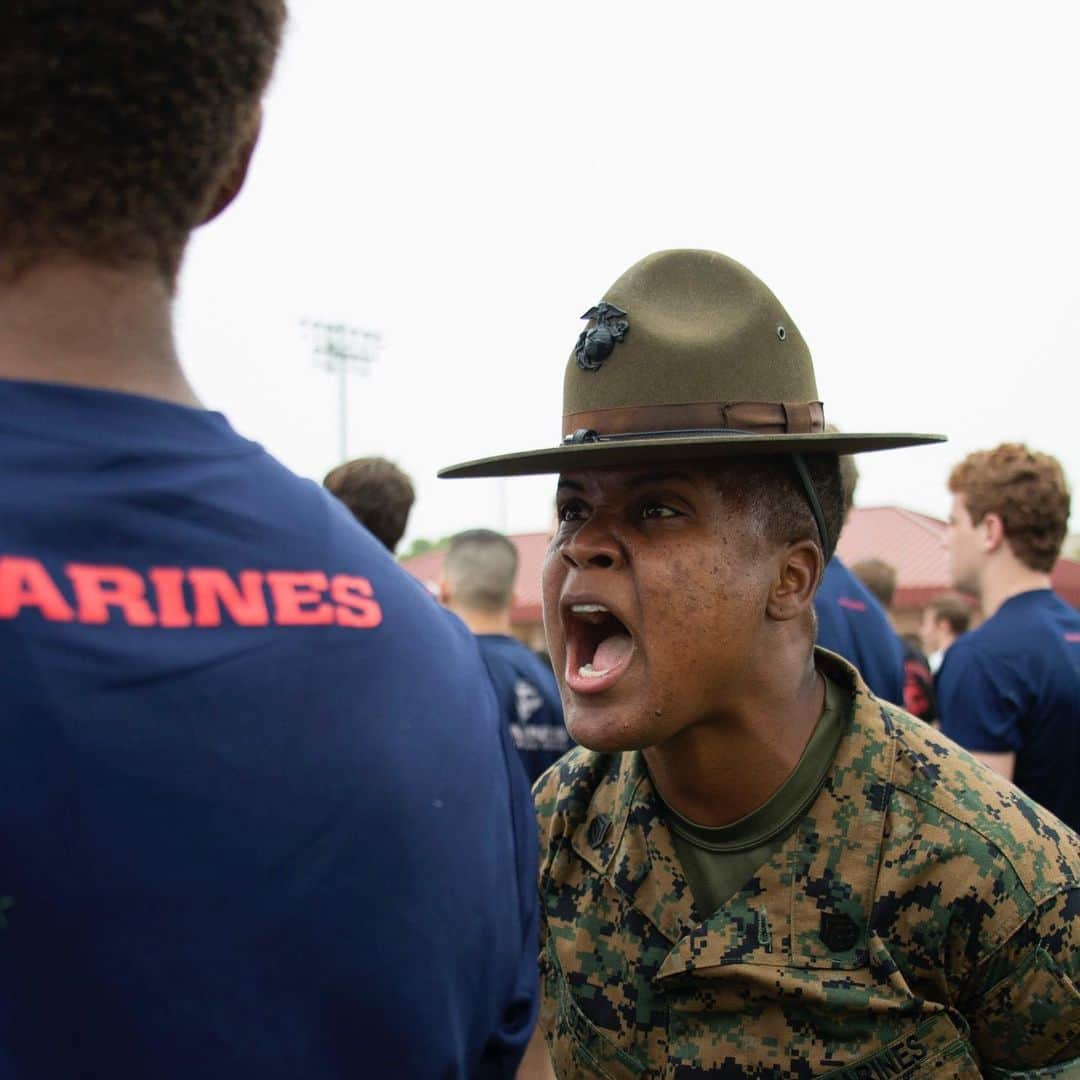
x=420 y=546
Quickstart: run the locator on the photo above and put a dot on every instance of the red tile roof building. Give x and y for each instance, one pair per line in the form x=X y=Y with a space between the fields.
x=914 y=545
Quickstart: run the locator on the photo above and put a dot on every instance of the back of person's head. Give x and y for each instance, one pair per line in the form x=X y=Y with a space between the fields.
x=953 y=611
x=125 y=125
x=378 y=494
x=849 y=477
x=849 y=474
x=1027 y=490
x=879 y=577
x=479 y=571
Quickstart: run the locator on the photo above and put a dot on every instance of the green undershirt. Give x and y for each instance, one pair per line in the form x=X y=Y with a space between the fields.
x=719 y=861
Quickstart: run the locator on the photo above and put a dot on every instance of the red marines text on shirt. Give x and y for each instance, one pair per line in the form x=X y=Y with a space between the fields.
x=186 y=597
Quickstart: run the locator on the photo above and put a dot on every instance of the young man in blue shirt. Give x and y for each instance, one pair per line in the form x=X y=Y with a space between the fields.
x=259 y=813
x=851 y=620
x=852 y=623
x=1009 y=691
x=478 y=585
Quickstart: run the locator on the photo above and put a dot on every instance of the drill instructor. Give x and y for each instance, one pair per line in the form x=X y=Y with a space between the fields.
x=751 y=867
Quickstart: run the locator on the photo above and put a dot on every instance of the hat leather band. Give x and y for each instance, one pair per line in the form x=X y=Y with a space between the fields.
x=758 y=417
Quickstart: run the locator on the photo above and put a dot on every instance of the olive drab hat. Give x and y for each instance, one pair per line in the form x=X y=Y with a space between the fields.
x=688 y=356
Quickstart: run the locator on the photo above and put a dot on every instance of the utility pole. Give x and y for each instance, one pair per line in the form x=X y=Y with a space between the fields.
x=342 y=349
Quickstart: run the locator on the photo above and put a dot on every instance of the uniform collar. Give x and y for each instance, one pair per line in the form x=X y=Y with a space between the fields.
x=827 y=867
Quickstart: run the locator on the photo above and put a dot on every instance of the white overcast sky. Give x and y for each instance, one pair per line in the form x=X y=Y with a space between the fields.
x=468 y=178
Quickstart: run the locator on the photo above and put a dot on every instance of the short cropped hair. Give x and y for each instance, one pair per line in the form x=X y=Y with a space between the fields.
x=119 y=121
x=952 y=610
x=480 y=567
x=769 y=488
x=879 y=577
x=378 y=494
x=1027 y=490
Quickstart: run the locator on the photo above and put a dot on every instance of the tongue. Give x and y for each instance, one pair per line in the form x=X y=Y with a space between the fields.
x=612 y=651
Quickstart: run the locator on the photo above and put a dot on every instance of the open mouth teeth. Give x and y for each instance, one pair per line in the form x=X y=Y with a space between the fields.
x=593 y=613
x=599 y=641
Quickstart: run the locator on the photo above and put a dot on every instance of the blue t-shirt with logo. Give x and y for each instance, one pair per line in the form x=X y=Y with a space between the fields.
x=852 y=622
x=529 y=697
x=260 y=813
x=1013 y=685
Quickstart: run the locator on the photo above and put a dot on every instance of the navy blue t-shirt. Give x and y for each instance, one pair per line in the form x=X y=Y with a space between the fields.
x=529 y=697
x=853 y=623
x=260 y=815
x=1013 y=685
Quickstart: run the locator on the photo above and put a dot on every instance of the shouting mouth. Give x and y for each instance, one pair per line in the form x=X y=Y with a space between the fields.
x=598 y=647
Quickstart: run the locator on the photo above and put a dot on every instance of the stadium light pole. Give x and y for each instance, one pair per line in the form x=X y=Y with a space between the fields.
x=342 y=349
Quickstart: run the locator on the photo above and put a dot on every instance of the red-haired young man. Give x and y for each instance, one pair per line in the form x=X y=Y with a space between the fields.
x=1009 y=691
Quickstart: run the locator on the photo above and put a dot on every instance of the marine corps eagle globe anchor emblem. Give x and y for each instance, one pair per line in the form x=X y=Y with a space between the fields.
x=595 y=344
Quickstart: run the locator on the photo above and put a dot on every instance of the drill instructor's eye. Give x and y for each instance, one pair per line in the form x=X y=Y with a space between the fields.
x=655 y=510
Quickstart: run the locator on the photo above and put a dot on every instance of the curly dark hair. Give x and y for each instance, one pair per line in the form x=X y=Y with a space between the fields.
x=120 y=119
x=1027 y=490
x=378 y=494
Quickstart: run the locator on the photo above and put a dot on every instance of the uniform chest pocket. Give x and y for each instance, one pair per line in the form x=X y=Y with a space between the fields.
x=578 y=1047
x=781 y=1022
x=935 y=1050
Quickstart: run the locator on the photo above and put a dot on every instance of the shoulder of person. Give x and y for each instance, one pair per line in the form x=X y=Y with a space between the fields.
x=508 y=662
x=564 y=793
x=1005 y=633
x=973 y=655
x=504 y=650
x=1014 y=842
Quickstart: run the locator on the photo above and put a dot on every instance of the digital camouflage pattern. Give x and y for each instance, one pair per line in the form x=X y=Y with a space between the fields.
x=921 y=921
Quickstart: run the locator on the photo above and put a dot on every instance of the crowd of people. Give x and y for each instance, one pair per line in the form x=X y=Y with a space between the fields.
x=264 y=799
x=1017 y=709
x=1009 y=692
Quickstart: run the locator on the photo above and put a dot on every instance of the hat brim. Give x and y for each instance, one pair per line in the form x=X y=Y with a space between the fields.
x=631 y=451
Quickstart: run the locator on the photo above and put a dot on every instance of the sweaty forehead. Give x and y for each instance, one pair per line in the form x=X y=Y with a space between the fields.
x=727 y=477
x=633 y=477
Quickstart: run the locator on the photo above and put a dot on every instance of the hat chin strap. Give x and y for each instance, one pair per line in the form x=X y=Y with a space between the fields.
x=815 y=502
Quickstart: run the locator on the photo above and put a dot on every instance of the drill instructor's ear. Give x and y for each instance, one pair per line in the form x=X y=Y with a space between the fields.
x=233 y=180
x=799 y=570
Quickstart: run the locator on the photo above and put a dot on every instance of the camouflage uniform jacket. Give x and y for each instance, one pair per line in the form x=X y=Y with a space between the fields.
x=920 y=921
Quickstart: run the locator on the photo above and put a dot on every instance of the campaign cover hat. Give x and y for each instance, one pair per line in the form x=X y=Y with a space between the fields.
x=688 y=356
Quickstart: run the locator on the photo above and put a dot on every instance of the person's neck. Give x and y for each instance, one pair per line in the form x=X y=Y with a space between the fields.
x=82 y=324
x=723 y=768
x=1004 y=578
x=484 y=622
